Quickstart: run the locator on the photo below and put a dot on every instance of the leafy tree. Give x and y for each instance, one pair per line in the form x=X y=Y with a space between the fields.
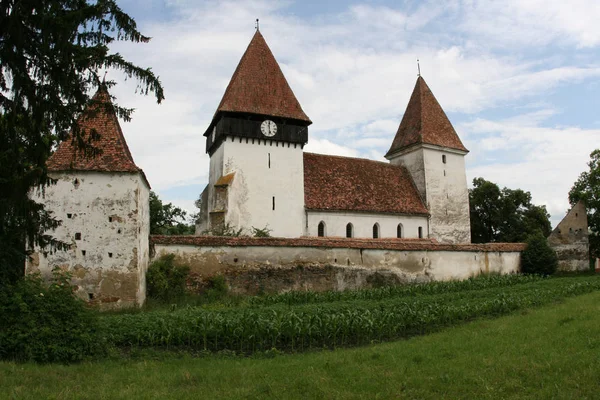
x=167 y=219
x=52 y=53
x=504 y=215
x=587 y=188
x=538 y=257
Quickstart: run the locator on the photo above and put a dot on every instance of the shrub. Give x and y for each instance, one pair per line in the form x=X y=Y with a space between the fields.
x=538 y=257
x=217 y=288
x=264 y=232
x=46 y=322
x=165 y=280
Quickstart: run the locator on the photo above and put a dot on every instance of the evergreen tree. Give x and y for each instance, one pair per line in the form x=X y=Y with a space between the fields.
x=52 y=53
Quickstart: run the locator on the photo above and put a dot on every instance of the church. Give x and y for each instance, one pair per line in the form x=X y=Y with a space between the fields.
x=320 y=210
x=261 y=178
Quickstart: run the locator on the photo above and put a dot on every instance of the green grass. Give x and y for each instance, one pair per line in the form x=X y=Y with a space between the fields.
x=548 y=352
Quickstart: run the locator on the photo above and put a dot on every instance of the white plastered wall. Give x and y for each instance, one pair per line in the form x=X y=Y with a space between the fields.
x=447 y=196
x=443 y=186
x=335 y=224
x=84 y=202
x=263 y=170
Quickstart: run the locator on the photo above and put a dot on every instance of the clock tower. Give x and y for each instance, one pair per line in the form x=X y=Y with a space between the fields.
x=255 y=143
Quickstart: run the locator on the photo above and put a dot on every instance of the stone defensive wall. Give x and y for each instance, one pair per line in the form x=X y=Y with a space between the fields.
x=257 y=265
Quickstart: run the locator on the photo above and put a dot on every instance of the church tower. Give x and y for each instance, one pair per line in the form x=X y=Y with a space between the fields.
x=429 y=147
x=255 y=143
x=102 y=201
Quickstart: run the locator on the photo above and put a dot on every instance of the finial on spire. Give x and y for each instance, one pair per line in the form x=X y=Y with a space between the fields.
x=257 y=27
x=418 y=67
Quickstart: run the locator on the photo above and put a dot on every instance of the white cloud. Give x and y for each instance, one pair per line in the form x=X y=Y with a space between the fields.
x=544 y=161
x=533 y=22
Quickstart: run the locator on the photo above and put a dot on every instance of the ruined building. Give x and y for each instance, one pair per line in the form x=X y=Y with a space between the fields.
x=102 y=202
x=570 y=240
x=261 y=178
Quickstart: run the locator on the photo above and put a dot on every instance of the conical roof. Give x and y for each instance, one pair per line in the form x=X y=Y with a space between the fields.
x=425 y=122
x=114 y=154
x=259 y=87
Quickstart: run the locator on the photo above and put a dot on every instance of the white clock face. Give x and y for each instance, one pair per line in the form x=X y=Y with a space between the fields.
x=268 y=128
x=214 y=133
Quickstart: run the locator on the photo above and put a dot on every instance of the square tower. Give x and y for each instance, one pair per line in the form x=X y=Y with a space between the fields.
x=429 y=147
x=255 y=143
x=102 y=202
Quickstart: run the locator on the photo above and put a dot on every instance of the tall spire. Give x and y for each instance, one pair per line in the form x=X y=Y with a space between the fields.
x=114 y=154
x=425 y=122
x=259 y=87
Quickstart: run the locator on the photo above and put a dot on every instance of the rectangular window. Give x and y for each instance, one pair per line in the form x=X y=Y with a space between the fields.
x=420 y=232
x=78 y=236
x=273 y=202
x=269 y=160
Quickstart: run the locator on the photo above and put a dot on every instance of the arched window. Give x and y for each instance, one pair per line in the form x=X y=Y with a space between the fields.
x=349 y=230
x=420 y=232
x=321 y=229
x=399 y=231
x=376 y=231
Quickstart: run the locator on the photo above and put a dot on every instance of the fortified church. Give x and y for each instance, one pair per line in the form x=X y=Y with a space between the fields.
x=322 y=211
x=260 y=177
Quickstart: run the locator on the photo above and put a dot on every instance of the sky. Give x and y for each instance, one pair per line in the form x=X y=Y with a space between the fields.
x=518 y=79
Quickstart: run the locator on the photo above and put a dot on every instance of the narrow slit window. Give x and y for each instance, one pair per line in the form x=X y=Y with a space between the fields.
x=269 y=160
x=376 y=231
x=110 y=219
x=444 y=158
x=399 y=231
x=349 y=230
x=83 y=252
x=420 y=232
x=273 y=203
x=321 y=229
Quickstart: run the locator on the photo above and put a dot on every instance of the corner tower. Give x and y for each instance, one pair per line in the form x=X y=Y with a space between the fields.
x=427 y=144
x=255 y=142
x=102 y=201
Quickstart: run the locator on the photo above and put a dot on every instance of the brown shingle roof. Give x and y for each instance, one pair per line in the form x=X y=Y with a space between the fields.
x=356 y=184
x=259 y=87
x=425 y=121
x=114 y=156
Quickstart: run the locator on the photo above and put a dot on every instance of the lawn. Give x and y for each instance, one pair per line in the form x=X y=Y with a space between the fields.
x=546 y=352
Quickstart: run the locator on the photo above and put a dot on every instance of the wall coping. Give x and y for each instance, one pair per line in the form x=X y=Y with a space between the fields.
x=333 y=242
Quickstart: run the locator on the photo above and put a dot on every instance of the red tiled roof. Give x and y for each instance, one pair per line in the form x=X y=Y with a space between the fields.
x=425 y=121
x=352 y=243
x=356 y=184
x=259 y=87
x=114 y=156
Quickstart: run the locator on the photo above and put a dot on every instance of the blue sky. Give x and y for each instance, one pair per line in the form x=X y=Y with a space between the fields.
x=519 y=80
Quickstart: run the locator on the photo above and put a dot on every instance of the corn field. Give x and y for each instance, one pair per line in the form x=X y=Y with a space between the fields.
x=302 y=321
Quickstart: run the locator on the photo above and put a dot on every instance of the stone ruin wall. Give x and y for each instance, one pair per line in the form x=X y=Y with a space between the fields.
x=271 y=265
x=570 y=240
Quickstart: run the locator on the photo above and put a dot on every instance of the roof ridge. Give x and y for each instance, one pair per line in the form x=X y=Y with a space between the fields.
x=348 y=157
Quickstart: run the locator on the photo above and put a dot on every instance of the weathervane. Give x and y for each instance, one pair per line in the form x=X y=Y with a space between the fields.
x=256 y=23
x=418 y=68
